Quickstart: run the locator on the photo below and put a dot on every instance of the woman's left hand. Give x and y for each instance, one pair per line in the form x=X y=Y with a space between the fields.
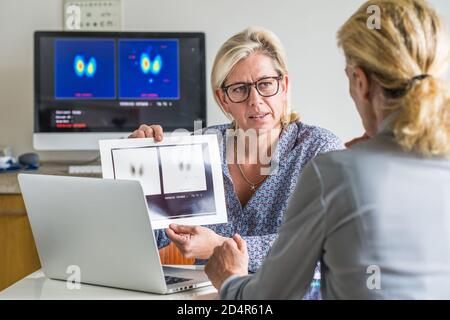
x=350 y=143
x=194 y=241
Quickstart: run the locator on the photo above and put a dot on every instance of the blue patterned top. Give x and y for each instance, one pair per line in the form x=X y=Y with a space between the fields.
x=259 y=220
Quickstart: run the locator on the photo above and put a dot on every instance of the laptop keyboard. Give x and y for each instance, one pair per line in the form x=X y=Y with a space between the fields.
x=172 y=280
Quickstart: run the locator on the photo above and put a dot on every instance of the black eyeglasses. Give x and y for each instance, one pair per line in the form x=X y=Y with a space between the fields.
x=266 y=87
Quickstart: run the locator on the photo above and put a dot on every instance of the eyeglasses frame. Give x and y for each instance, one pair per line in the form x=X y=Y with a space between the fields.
x=253 y=84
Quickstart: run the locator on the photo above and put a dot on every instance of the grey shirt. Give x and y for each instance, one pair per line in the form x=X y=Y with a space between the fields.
x=378 y=219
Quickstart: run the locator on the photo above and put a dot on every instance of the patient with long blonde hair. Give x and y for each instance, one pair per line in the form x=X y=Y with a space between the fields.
x=377 y=216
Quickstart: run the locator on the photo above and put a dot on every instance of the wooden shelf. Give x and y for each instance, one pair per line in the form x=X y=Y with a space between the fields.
x=18 y=254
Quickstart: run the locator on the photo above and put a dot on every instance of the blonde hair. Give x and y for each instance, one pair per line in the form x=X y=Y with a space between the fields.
x=241 y=46
x=405 y=57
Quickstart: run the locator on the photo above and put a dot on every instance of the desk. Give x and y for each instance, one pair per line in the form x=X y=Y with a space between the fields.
x=37 y=287
x=18 y=254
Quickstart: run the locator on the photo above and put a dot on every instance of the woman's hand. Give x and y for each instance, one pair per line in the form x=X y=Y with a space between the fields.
x=350 y=143
x=145 y=131
x=231 y=258
x=194 y=241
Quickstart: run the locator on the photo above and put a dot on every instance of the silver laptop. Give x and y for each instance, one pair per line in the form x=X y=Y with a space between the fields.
x=102 y=227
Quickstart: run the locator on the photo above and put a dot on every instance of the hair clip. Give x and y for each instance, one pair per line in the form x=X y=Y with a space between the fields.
x=420 y=77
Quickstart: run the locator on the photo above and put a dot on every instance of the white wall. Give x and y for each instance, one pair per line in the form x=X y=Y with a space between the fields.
x=307 y=29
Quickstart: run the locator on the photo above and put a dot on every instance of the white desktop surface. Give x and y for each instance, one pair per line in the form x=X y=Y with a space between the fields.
x=37 y=287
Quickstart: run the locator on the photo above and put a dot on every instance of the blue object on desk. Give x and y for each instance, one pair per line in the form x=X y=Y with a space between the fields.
x=30 y=161
x=27 y=161
x=10 y=165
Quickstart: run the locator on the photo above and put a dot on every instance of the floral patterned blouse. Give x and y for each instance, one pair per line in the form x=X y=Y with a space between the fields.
x=259 y=220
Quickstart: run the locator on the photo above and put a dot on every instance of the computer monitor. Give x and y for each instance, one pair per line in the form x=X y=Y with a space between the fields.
x=99 y=85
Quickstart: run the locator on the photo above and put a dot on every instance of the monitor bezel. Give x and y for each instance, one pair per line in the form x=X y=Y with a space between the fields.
x=115 y=35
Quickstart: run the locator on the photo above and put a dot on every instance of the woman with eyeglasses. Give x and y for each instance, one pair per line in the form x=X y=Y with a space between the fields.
x=377 y=216
x=264 y=148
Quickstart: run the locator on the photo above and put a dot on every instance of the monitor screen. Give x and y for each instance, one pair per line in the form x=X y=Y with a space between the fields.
x=93 y=83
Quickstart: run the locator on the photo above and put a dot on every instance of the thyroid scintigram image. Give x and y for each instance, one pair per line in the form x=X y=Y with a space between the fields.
x=148 y=69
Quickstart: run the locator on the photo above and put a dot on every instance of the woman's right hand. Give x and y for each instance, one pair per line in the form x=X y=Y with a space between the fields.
x=145 y=131
x=194 y=241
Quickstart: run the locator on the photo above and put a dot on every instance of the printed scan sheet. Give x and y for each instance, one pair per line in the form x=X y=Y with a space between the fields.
x=181 y=176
